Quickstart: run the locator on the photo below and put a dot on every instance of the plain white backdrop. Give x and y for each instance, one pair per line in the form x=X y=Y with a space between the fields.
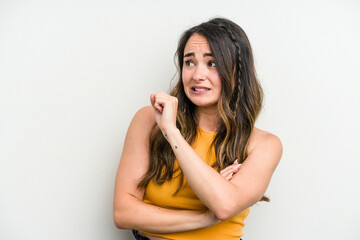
x=74 y=72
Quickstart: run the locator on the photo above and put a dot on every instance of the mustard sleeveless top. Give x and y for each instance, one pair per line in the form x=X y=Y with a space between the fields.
x=185 y=199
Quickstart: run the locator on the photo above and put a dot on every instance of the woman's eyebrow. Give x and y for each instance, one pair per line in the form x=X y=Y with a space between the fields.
x=191 y=54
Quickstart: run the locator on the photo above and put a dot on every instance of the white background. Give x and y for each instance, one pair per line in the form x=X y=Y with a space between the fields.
x=74 y=72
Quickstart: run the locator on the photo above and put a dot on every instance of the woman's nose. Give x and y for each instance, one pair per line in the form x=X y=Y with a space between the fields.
x=200 y=73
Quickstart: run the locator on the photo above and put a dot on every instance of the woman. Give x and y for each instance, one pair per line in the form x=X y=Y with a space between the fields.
x=193 y=162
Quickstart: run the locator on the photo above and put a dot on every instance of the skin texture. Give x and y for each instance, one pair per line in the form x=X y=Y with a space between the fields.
x=236 y=187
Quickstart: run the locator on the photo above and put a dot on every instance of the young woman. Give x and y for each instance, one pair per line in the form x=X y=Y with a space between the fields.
x=193 y=162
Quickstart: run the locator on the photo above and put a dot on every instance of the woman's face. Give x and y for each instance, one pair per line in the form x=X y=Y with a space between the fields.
x=201 y=79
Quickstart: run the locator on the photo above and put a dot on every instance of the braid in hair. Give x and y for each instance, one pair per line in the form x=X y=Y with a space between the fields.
x=238 y=67
x=241 y=127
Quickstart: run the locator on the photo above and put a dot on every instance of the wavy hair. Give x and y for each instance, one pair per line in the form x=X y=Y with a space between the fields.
x=239 y=105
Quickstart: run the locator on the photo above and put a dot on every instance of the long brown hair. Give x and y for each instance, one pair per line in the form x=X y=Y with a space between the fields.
x=239 y=105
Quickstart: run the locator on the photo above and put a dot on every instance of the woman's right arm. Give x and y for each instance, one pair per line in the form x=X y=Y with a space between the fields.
x=130 y=212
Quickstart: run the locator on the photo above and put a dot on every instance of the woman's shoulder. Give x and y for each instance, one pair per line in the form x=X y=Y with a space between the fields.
x=259 y=134
x=144 y=118
x=264 y=140
x=146 y=112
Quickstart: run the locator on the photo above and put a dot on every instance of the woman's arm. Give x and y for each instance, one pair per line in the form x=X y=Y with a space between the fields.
x=129 y=210
x=224 y=198
x=246 y=187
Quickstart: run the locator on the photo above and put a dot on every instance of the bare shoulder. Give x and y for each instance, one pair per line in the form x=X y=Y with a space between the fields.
x=135 y=155
x=145 y=114
x=144 y=119
x=138 y=133
x=266 y=143
x=263 y=137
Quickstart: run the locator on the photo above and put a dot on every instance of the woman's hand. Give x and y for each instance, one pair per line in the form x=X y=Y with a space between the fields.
x=229 y=171
x=165 y=107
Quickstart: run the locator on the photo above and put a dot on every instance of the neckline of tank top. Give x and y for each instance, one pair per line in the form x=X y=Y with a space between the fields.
x=206 y=132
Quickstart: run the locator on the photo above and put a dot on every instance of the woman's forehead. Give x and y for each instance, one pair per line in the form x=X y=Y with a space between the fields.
x=197 y=43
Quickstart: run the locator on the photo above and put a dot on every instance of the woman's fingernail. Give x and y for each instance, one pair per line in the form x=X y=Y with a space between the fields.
x=236 y=161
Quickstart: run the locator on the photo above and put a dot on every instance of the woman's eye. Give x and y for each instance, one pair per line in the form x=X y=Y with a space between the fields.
x=189 y=63
x=212 y=64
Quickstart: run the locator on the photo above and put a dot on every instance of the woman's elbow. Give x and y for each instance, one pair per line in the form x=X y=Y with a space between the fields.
x=119 y=220
x=226 y=211
x=223 y=214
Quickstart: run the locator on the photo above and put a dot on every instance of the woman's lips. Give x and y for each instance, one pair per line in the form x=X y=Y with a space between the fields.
x=199 y=90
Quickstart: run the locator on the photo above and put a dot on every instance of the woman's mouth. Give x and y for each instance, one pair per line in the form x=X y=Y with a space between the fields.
x=199 y=90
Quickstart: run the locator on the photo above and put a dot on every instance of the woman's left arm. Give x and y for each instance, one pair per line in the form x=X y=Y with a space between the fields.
x=225 y=198
x=247 y=186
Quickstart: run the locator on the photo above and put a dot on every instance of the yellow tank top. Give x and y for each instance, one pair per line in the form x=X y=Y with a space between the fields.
x=162 y=196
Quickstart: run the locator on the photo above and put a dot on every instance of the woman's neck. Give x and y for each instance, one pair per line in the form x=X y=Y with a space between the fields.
x=207 y=119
